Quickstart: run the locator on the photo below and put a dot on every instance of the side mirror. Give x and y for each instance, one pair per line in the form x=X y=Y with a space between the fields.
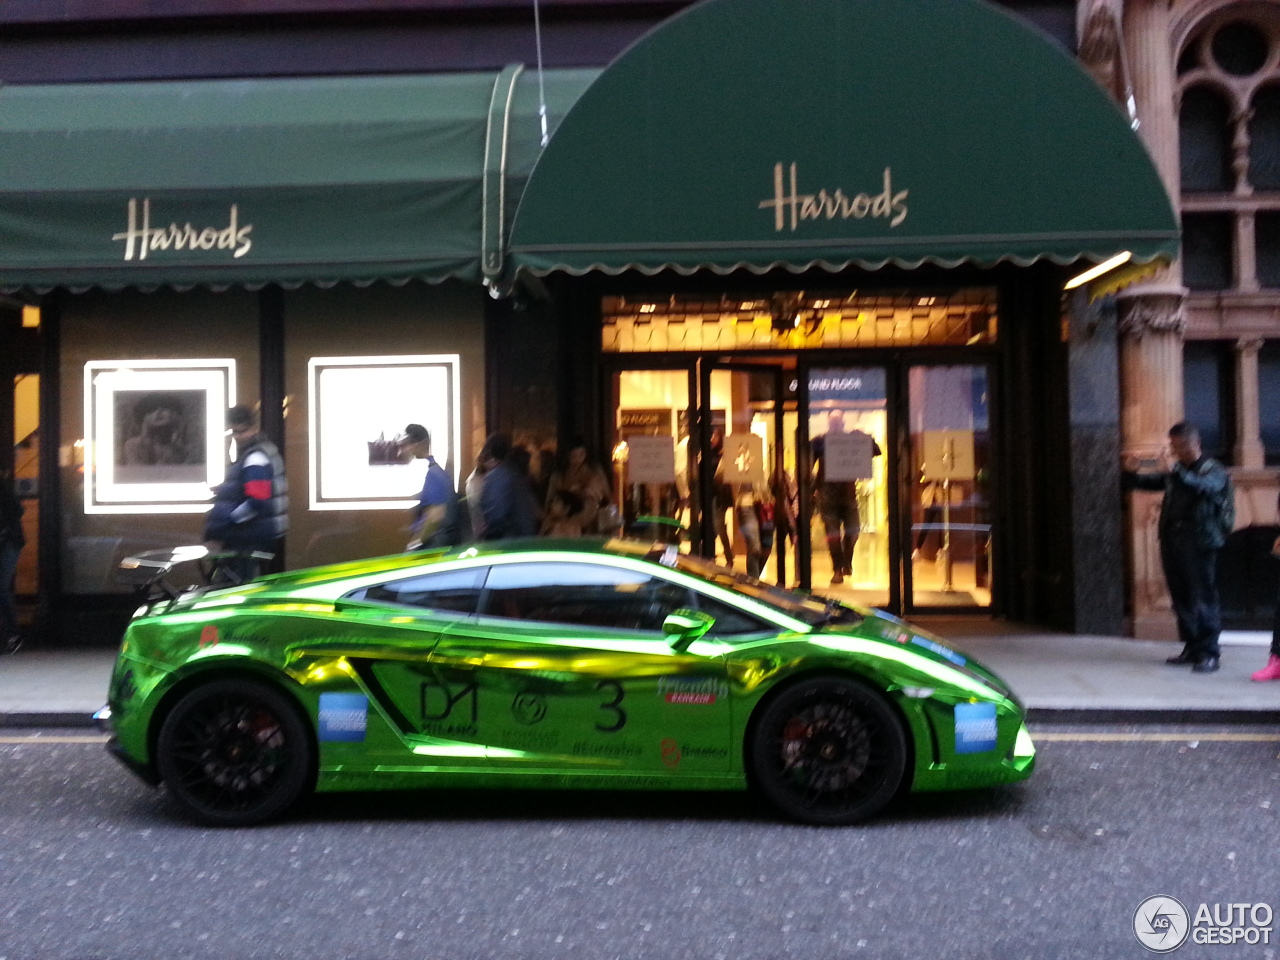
x=684 y=626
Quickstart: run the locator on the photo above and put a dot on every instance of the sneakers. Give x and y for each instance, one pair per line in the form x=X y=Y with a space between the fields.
x=1270 y=672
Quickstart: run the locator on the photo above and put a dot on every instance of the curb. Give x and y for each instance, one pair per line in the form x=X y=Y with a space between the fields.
x=46 y=720
x=1127 y=715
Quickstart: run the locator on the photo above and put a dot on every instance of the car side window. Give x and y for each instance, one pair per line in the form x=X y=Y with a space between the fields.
x=455 y=590
x=730 y=621
x=582 y=594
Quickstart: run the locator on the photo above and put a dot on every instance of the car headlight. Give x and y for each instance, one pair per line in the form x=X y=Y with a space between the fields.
x=1022 y=746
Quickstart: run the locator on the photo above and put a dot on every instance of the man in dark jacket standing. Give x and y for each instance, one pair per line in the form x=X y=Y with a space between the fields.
x=12 y=540
x=1192 y=530
x=251 y=507
x=507 y=498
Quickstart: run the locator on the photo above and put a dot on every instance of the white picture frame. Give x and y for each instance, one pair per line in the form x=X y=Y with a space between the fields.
x=353 y=402
x=155 y=434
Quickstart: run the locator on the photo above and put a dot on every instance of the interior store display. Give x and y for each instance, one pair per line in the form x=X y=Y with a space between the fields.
x=358 y=407
x=155 y=430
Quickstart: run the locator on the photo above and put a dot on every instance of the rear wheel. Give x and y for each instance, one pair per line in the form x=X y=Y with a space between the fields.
x=234 y=753
x=828 y=751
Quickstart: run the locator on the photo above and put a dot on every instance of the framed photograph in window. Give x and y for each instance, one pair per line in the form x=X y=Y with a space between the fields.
x=155 y=434
x=358 y=409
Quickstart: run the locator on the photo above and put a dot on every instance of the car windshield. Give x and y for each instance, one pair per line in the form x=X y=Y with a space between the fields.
x=794 y=603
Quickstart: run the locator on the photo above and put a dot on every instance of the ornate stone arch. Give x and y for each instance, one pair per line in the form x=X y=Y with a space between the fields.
x=1189 y=16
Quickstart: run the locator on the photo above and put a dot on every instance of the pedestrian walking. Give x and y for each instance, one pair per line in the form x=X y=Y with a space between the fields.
x=1272 y=670
x=435 y=518
x=12 y=540
x=1196 y=516
x=506 y=500
x=581 y=476
x=837 y=503
x=564 y=515
x=721 y=495
x=470 y=517
x=251 y=507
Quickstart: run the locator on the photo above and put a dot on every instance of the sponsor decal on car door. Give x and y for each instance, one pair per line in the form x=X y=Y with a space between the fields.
x=555 y=693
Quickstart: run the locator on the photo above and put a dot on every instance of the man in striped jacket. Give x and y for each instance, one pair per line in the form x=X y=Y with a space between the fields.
x=250 y=508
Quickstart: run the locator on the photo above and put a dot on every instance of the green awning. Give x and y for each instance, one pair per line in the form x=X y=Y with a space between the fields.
x=265 y=181
x=823 y=133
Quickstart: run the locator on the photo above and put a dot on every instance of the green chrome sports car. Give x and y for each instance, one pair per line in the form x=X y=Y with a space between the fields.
x=563 y=664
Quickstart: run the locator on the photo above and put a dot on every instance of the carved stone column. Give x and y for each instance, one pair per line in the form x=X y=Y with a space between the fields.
x=1249 y=452
x=1151 y=317
x=1151 y=324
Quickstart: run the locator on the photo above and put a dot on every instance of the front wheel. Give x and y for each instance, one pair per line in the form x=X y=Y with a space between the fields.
x=234 y=753
x=828 y=751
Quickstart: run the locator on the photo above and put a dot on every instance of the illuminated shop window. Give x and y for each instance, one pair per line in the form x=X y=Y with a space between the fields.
x=358 y=408
x=155 y=434
x=798 y=320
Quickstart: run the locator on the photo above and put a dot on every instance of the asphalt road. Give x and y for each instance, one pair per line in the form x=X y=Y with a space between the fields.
x=96 y=866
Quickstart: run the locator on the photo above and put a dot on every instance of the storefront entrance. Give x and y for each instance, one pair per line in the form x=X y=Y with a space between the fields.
x=869 y=481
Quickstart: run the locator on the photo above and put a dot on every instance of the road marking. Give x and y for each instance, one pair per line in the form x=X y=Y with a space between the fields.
x=1156 y=737
x=1040 y=737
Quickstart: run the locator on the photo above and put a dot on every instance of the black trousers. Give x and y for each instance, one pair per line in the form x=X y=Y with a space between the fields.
x=1275 y=632
x=1191 y=574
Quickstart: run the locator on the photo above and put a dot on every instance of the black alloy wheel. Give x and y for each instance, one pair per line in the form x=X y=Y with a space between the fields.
x=235 y=752
x=828 y=751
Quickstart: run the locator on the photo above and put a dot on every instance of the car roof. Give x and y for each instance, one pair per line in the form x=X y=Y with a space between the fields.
x=316 y=576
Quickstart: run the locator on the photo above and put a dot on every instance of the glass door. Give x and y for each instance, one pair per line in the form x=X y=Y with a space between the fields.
x=653 y=453
x=750 y=523
x=26 y=478
x=868 y=483
x=947 y=492
x=845 y=481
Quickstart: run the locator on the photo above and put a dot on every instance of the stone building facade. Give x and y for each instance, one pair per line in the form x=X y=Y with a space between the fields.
x=1201 y=80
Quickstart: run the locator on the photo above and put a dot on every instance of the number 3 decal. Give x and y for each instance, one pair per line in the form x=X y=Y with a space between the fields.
x=612 y=706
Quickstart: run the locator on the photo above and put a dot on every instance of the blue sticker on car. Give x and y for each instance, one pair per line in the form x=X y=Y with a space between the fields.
x=343 y=717
x=940 y=650
x=975 y=727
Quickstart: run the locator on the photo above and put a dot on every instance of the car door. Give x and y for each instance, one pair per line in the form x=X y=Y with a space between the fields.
x=402 y=677
x=566 y=669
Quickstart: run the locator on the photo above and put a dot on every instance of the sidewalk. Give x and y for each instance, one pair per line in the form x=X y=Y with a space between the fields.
x=1061 y=677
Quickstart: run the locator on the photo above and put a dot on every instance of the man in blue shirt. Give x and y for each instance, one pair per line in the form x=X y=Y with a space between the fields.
x=435 y=518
